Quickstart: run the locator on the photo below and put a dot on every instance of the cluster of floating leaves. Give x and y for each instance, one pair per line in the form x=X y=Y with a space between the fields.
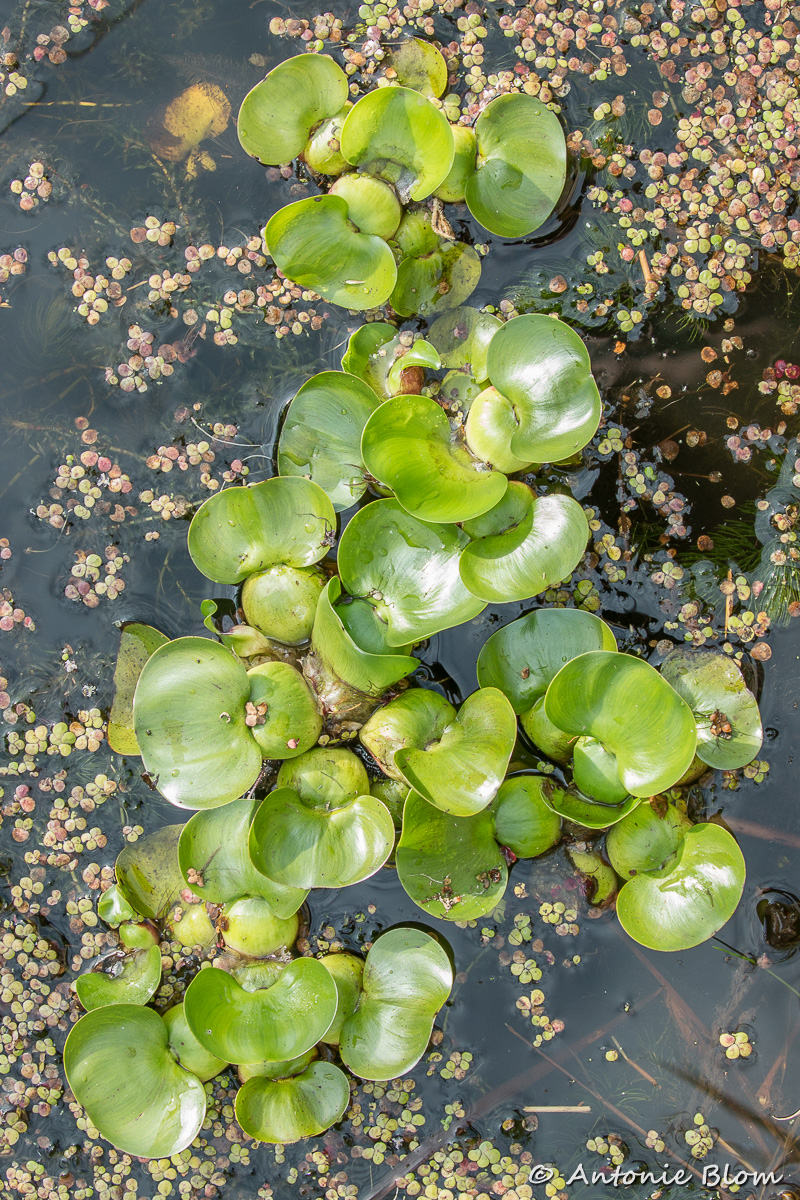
x=35 y=187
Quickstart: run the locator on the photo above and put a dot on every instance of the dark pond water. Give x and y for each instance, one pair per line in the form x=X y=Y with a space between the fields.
x=639 y=1048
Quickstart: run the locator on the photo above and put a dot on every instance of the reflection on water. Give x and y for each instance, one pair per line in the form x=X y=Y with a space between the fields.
x=105 y=452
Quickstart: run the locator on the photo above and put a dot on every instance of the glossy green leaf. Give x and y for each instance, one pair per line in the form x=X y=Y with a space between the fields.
x=624 y=704
x=729 y=733
x=283 y=1069
x=452 y=867
x=136 y=644
x=300 y=1106
x=291 y=723
x=215 y=861
x=462 y=338
x=190 y=925
x=275 y=1022
x=462 y=770
x=521 y=166
x=646 y=839
x=454 y=188
x=543 y=370
x=187 y=1049
x=408 y=569
x=348 y=973
x=189 y=717
x=690 y=898
x=418 y=65
x=490 y=426
x=522 y=819
x=119 y=978
x=327 y=775
x=279 y=113
x=409 y=445
x=250 y=927
x=372 y=205
x=582 y=810
x=401 y=137
x=314 y=243
x=323 y=149
x=523 y=546
x=321 y=435
x=241 y=530
x=595 y=772
x=417 y=717
x=438 y=281
x=523 y=657
x=113 y=908
x=122 y=1072
x=308 y=843
x=243 y=640
x=147 y=871
x=281 y=601
x=546 y=736
x=407 y=979
x=364 y=670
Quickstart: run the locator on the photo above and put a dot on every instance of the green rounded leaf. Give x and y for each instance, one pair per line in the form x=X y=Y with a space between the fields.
x=136 y=644
x=323 y=151
x=452 y=867
x=409 y=445
x=546 y=736
x=189 y=717
x=132 y=978
x=380 y=355
x=241 y=530
x=690 y=898
x=582 y=810
x=453 y=189
x=148 y=876
x=599 y=878
x=646 y=839
x=418 y=65
x=251 y=927
x=437 y=281
x=113 y=908
x=300 y=1106
x=523 y=546
x=308 y=843
x=522 y=819
x=462 y=338
x=401 y=137
x=595 y=772
x=415 y=718
x=369 y=671
x=328 y=775
x=408 y=569
x=522 y=658
x=372 y=205
x=729 y=733
x=281 y=601
x=491 y=424
x=461 y=770
x=542 y=368
x=215 y=861
x=279 y=113
x=277 y=1022
x=291 y=723
x=348 y=972
x=407 y=979
x=321 y=435
x=624 y=704
x=122 y=1072
x=521 y=166
x=187 y=1049
x=314 y=243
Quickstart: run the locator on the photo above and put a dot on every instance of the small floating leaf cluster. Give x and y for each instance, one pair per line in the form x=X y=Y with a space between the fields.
x=357 y=245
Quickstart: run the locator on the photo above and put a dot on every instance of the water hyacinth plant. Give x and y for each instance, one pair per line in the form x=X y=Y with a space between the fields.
x=431 y=450
x=354 y=245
